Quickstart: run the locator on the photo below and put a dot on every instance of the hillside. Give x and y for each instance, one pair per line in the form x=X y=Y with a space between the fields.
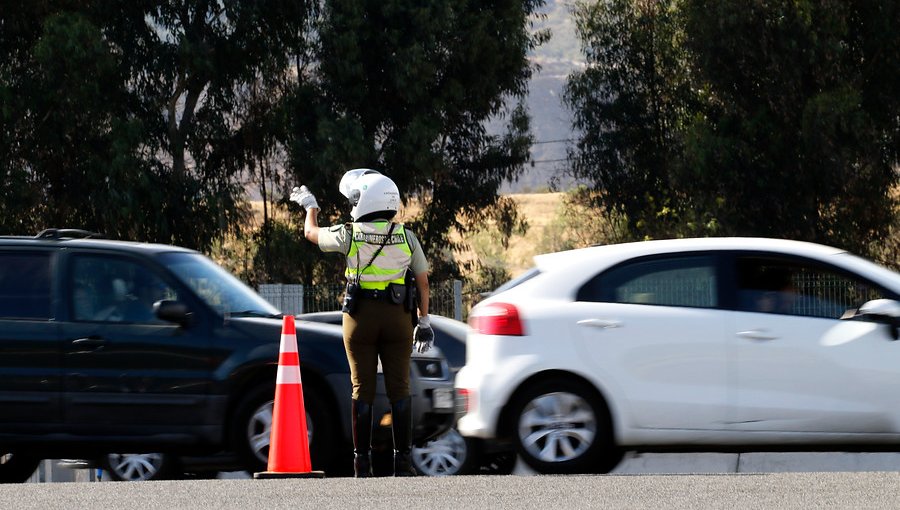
x=551 y=122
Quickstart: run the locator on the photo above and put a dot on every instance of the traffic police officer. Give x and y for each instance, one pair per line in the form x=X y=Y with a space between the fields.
x=379 y=305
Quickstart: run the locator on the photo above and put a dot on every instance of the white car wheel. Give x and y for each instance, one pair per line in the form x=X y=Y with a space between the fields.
x=563 y=426
x=446 y=455
x=557 y=427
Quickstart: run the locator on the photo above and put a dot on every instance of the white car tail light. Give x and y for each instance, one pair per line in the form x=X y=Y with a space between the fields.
x=497 y=319
x=466 y=399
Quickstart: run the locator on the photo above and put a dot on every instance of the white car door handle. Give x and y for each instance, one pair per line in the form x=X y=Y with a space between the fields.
x=757 y=334
x=601 y=323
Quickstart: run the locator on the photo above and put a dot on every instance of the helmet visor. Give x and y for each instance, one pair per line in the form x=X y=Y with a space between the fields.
x=346 y=185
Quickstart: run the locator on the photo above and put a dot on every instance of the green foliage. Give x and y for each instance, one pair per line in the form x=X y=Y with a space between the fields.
x=793 y=140
x=68 y=144
x=128 y=117
x=628 y=105
x=145 y=120
x=407 y=87
x=702 y=117
x=582 y=221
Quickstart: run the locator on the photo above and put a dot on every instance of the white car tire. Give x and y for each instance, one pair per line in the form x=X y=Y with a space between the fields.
x=562 y=426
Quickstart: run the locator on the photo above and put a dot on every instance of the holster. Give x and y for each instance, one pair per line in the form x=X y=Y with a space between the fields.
x=351 y=297
x=412 y=296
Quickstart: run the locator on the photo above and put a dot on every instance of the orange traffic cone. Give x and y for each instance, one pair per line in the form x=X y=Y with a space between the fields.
x=288 y=439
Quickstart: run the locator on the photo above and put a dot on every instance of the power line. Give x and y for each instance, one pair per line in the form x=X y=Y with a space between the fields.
x=550 y=160
x=554 y=141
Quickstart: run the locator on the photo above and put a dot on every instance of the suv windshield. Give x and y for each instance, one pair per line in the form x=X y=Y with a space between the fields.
x=219 y=288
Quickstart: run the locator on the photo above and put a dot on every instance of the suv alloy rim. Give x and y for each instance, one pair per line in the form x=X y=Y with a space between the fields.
x=557 y=427
x=260 y=425
x=444 y=455
x=135 y=467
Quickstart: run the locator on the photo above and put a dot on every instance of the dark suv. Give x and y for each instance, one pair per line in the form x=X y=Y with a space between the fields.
x=113 y=346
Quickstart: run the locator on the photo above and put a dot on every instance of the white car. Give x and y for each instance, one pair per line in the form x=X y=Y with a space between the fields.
x=714 y=344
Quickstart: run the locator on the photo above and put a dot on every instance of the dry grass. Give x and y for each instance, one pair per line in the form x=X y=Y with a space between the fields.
x=538 y=209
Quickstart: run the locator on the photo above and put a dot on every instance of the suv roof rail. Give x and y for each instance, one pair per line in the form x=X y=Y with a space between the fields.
x=67 y=233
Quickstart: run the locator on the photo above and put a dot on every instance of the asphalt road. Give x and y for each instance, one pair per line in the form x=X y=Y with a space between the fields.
x=750 y=491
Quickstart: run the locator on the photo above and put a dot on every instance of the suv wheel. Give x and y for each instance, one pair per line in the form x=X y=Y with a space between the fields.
x=137 y=467
x=561 y=426
x=448 y=454
x=253 y=424
x=16 y=468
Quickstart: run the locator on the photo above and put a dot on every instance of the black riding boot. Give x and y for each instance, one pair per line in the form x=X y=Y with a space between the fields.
x=401 y=419
x=362 y=438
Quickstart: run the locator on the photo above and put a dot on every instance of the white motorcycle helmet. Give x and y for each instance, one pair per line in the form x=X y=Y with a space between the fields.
x=369 y=191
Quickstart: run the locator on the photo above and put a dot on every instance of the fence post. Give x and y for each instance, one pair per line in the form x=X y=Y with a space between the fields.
x=292 y=299
x=457 y=300
x=302 y=298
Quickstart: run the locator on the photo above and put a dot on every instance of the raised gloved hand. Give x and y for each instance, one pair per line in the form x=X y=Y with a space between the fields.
x=304 y=197
x=423 y=335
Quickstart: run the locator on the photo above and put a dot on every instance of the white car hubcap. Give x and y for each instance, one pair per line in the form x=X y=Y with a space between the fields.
x=557 y=427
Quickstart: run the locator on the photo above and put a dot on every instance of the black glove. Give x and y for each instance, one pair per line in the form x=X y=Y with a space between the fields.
x=423 y=335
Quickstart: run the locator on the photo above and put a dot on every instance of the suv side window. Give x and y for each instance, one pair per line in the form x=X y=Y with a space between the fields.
x=793 y=287
x=25 y=285
x=674 y=281
x=109 y=289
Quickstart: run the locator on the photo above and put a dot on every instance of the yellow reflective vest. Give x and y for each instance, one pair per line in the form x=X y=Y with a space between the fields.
x=391 y=263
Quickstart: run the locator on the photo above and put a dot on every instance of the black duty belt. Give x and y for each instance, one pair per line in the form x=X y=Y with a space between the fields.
x=382 y=294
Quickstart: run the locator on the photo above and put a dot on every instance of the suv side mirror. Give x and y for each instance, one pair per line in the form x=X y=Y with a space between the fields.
x=886 y=311
x=173 y=311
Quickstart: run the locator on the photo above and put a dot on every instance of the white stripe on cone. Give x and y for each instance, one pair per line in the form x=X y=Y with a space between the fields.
x=288 y=343
x=288 y=375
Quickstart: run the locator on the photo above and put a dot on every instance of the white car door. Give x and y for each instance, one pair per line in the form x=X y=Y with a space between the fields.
x=804 y=374
x=651 y=329
x=799 y=368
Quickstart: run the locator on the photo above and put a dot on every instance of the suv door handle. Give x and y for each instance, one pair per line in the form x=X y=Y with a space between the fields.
x=757 y=334
x=91 y=341
x=601 y=323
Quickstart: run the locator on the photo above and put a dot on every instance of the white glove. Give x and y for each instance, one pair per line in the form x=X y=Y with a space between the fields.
x=304 y=197
x=423 y=335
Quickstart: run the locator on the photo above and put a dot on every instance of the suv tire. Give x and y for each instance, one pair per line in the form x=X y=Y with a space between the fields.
x=253 y=422
x=138 y=467
x=447 y=454
x=17 y=468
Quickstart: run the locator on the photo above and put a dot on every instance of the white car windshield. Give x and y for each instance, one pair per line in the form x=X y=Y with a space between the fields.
x=217 y=287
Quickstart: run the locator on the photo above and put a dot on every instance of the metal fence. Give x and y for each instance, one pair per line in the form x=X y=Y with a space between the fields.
x=445 y=297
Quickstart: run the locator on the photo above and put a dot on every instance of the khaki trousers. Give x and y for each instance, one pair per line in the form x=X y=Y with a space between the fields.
x=378 y=329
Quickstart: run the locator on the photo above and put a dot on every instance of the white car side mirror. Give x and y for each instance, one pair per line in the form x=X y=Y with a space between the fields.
x=886 y=311
x=886 y=308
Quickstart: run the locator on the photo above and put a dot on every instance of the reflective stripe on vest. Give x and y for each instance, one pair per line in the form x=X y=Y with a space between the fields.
x=390 y=265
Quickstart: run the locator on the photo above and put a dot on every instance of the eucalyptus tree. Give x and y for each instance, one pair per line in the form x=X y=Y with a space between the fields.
x=131 y=117
x=798 y=134
x=629 y=105
x=410 y=88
